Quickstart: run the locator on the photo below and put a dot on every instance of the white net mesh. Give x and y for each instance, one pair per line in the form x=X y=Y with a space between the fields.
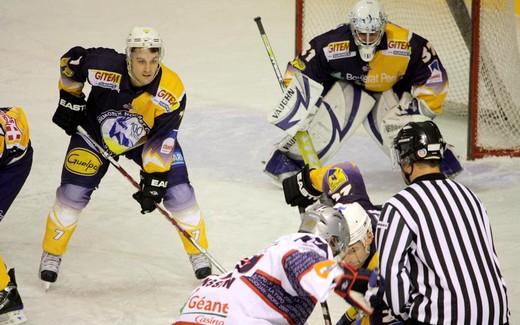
x=498 y=123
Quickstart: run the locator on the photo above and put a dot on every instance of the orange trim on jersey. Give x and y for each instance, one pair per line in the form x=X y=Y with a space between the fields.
x=267 y=302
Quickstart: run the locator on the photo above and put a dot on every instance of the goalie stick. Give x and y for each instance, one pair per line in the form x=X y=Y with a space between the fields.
x=81 y=131
x=303 y=140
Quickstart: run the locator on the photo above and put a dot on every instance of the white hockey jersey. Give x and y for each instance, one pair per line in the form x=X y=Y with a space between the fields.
x=279 y=285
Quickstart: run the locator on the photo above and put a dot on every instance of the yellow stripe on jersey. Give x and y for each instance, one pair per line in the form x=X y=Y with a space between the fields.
x=153 y=163
x=390 y=65
x=171 y=89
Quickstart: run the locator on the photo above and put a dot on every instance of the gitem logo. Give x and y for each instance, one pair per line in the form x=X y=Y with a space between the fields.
x=104 y=79
x=82 y=162
x=338 y=50
x=165 y=99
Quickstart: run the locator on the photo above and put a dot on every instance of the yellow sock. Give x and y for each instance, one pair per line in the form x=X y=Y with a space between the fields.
x=4 y=277
x=57 y=237
x=198 y=233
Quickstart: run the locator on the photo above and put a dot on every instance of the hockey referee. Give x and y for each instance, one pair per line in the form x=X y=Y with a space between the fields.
x=436 y=254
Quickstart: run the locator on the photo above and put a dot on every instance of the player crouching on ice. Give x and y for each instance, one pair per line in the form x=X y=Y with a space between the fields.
x=368 y=71
x=282 y=283
x=342 y=186
x=135 y=108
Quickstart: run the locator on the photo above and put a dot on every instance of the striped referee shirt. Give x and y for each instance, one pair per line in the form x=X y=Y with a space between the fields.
x=437 y=258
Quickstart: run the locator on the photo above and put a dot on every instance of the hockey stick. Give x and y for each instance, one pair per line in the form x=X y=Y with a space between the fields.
x=163 y=211
x=303 y=140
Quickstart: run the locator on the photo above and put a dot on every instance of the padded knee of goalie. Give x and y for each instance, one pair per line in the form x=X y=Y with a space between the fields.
x=74 y=196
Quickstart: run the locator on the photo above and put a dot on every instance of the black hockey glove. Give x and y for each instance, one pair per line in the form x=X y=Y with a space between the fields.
x=70 y=112
x=153 y=188
x=298 y=189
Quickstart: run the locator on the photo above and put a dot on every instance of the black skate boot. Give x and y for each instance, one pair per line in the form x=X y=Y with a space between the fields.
x=201 y=265
x=11 y=305
x=49 y=268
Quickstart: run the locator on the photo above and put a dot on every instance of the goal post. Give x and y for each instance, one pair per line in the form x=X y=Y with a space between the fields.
x=481 y=56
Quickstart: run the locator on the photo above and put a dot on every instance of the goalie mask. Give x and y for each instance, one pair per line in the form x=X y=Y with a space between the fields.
x=143 y=37
x=367 y=20
x=329 y=224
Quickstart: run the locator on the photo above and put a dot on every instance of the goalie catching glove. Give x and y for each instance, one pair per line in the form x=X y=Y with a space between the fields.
x=153 y=187
x=298 y=189
x=70 y=112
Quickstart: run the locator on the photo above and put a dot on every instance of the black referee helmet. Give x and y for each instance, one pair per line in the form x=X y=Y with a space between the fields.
x=418 y=141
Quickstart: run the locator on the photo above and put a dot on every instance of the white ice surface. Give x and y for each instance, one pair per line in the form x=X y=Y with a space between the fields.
x=126 y=268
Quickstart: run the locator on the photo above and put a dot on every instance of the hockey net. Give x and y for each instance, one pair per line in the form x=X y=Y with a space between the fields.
x=494 y=104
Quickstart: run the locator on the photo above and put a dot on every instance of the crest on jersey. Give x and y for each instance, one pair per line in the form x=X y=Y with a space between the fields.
x=338 y=50
x=336 y=178
x=122 y=130
x=104 y=79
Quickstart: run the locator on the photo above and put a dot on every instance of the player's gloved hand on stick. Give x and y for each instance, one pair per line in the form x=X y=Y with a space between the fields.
x=153 y=188
x=70 y=112
x=351 y=283
x=298 y=189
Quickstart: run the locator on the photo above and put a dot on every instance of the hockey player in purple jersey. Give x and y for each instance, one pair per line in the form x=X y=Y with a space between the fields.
x=368 y=71
x=134 y=109
x=16 y=155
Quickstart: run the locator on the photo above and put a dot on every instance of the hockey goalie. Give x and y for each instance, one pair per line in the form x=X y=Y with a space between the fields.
x=368 y=71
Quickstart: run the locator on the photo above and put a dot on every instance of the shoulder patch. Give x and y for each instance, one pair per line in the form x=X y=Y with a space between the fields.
x=104 y=79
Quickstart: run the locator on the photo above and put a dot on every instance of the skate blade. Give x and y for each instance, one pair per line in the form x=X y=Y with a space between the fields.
x=46 y=286
x=13 y=318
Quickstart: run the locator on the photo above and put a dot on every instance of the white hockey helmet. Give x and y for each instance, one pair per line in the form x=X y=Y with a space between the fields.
x=329 y=224
x=143 y=37
x=367 y=20
x=358 y=221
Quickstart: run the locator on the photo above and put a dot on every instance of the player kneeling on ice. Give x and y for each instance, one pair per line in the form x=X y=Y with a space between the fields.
x=135 y=108
x=368 y=71
x=282 y=283
x=342 y=186
x=16 y=156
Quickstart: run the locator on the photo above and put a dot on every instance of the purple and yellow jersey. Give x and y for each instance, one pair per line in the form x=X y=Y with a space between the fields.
x=121 y=116
x=14 y=135
x=404 y=62
x=343 y=183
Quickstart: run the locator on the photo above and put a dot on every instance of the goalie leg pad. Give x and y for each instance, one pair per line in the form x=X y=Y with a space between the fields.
x=339 y=115
x=298 y=105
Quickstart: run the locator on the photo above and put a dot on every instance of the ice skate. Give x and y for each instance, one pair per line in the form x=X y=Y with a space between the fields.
x=201 y=265
x=11 y=305
x=49 y=268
